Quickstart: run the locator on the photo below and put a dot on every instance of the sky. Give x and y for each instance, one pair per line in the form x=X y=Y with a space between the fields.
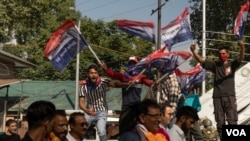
x=138 y=10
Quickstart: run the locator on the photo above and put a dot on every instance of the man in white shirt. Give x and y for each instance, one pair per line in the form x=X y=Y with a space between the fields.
x=78 y=127
x=186 y=116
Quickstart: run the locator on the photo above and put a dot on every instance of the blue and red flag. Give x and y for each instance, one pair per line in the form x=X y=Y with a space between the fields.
x=241 y=20
x=166 y=62
x=191 y=77
x=62 y=46
x=178 y=30
x=145 y=30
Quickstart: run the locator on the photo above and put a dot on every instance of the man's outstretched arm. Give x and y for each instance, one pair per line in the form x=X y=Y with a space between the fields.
x=242 y=51
x=196 y=54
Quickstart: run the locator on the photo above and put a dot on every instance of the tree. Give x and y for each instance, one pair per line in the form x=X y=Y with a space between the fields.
x=33 y=22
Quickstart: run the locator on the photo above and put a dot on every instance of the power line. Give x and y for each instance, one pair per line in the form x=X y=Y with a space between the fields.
x=84 y=2
x=224 y=41
x=224 y=33
x=129 y=11
x=230 y=51
x=99 y=6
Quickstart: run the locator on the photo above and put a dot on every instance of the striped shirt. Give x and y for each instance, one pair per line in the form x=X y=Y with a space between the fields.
x=96 y=95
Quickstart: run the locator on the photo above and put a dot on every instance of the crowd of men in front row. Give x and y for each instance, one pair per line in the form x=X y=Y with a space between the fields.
x=48 y=124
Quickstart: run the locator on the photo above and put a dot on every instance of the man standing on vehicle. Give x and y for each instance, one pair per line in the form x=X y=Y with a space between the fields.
x=224 y=98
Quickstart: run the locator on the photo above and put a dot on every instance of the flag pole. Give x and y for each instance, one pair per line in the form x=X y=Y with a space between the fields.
x=92 y=51
x=158 y=46
x=136 y=78
x=77 y=67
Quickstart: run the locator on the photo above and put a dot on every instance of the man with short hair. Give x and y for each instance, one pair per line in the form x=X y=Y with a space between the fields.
x=40 y=116
x=147 y=128
x=167 y=115
x=60 y=126
x=186 y=116
x=10 y=133
x=78 y=127
x=224 y=96
x=94 y=89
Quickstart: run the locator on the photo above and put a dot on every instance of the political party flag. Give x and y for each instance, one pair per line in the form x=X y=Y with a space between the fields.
x=241 y=20
x=62 y=46
x=191 y=77
x=164 y=61
x=145 y=30
x=178 y=30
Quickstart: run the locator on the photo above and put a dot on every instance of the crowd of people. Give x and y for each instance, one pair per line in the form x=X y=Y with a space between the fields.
x=173 y=118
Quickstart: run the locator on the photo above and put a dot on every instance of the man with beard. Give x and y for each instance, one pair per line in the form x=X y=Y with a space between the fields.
x=78 y=127
x=94 y=90
x=10 y=133
x=40 y=116
x=60 y=127
x=186 y=116
x=224 y=99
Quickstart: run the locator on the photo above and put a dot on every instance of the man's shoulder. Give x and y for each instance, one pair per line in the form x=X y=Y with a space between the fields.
x=130 y=136
x=5 y=136
x=26 y=138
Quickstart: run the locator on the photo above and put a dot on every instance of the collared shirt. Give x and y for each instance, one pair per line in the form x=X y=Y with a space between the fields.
x=71 y=138
x=170 y=90
x=176 y=134
x=96 y=95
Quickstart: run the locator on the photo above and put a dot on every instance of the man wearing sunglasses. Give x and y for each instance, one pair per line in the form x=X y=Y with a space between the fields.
x=78 y=127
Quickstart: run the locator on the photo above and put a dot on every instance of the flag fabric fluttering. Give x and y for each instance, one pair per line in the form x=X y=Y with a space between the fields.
x=62 y=46
x=144 y=30
x=241 y=20
x=166 y=62
x=178 y=30
x=190 y=77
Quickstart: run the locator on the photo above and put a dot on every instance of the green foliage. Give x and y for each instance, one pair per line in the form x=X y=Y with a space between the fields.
x=35 y=21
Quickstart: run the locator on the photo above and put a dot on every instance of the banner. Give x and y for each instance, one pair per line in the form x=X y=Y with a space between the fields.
x=63 y=43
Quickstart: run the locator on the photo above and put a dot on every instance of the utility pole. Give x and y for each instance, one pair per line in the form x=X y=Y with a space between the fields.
x=77 y=62
x=159 y=25
x=158 y=43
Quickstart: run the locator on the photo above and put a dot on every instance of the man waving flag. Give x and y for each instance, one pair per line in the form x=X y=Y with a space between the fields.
x=240 y=20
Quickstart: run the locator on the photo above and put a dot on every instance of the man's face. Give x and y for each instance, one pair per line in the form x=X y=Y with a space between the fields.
x=187 y=124
x=80 y=126
x=60 y=127
x=168 y=115
x=223 y=55
x=93 y=75
x=12 y=128
x=152 y=119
